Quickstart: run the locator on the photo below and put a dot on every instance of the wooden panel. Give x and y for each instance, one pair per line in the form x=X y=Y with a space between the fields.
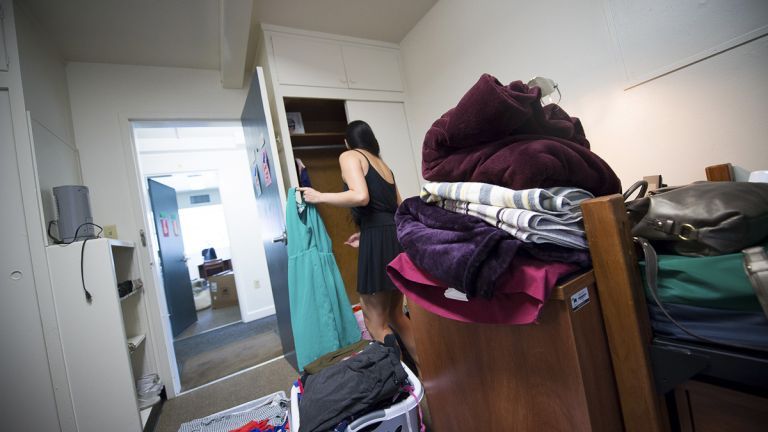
x=325 y=174
x=709 y=408
x=624 y=312
x=595 y=359
x=722 y=172
x=516 y=378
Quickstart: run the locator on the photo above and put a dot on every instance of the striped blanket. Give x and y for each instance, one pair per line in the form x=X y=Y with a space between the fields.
x=548 y=215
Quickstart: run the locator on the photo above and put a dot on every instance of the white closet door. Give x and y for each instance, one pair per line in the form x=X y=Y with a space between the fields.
x=309 y=62
x=387 y=119
x=26 y=401
x=372 y=68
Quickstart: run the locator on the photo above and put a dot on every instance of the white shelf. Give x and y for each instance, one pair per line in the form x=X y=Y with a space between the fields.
x=110 y=320
x=121 y=243
x=132 y=293
x=136 y=341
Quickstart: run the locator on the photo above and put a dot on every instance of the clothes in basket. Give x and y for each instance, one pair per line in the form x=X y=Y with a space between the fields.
x=353 y=387
x=402 y=416
x=272 y=408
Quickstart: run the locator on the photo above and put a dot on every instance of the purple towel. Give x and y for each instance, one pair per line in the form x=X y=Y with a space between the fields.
x=502 y=135
x=461 y=251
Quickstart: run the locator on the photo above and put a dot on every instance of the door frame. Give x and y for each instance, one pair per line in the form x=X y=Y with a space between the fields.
x=162 y=340
x=161 y=336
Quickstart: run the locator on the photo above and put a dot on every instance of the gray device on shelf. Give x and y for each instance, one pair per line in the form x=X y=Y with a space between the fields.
x=74 y=209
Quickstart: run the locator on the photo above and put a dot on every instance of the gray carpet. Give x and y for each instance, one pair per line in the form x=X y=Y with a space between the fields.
x=209 y=356
x=209 y=318
x=233 y=391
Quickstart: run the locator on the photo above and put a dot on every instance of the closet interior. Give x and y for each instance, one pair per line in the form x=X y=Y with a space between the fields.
x=318 y=147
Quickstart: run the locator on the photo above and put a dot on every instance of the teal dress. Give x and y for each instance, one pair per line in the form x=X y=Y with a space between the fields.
x=321 y=316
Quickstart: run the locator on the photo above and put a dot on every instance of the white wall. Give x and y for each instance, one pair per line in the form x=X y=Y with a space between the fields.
x=708 y=113
x=248 y=260
x=103 y=98
x=47 y=99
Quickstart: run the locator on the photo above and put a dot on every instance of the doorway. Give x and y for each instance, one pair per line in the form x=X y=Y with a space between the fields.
x=206 y=249
x=207 y=246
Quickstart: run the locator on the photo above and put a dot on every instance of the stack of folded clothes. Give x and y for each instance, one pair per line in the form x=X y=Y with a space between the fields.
x=499 y=224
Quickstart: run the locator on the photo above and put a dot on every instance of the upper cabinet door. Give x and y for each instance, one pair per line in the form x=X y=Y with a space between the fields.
x=3 y=51
x=372 y=68
x=309 y=62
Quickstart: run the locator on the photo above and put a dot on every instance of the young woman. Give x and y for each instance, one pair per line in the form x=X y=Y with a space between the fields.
x=373 y=197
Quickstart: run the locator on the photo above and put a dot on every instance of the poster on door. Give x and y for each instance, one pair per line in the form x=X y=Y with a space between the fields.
x=175 y=223
x=164 y=226
x=265 y=168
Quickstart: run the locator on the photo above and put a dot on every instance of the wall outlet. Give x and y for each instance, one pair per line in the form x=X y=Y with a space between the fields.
x=110 y=231
x=256 y=284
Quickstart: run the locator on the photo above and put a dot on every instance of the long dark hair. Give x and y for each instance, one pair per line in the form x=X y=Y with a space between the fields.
x=360 y=136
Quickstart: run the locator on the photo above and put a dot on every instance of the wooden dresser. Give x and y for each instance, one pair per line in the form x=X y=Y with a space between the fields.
x=552 y=376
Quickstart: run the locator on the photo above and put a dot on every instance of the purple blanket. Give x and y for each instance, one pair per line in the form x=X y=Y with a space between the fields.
x=461 y=251
x=502 y=135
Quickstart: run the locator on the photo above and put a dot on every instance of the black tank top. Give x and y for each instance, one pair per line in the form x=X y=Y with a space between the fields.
x=382 y=199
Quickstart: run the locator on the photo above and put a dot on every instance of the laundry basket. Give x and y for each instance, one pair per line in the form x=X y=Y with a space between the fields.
x=280 y=395
x=402 y=416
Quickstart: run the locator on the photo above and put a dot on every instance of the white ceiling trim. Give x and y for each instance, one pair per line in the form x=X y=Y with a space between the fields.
x=235 y=30
x=321 y=35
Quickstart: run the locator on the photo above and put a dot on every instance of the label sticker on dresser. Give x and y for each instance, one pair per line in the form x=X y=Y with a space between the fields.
x=579 y=299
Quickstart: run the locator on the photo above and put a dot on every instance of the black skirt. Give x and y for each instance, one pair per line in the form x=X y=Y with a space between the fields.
x=378 y=247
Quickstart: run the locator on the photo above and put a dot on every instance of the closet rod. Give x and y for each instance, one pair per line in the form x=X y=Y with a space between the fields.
x=321 y=147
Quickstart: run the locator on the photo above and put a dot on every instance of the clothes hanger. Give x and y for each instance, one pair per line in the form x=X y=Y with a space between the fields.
x=300 y=203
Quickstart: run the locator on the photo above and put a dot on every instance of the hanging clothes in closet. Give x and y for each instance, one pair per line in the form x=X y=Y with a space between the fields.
x=301 y=170
x=321 y=315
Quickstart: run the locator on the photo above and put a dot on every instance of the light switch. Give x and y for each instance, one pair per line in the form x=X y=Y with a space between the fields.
x=110 y=231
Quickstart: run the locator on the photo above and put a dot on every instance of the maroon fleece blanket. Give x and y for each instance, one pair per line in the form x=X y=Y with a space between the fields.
x=502 y=135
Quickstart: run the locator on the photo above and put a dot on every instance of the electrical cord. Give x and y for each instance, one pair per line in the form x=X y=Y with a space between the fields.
x=88 y=295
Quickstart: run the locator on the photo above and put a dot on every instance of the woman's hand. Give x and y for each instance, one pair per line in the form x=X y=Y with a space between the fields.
x=310 y=195
x=353 y=240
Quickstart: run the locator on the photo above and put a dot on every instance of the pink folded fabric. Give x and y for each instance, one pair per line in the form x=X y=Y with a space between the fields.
x=517 y=299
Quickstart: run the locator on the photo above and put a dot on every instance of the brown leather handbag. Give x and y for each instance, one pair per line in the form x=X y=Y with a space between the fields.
x=701 y=219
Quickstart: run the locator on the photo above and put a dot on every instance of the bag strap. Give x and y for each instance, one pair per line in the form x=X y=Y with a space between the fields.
x=756 y=267
x=640 y=184
x=651 y=276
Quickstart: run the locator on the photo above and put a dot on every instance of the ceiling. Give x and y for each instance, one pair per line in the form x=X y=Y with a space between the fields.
x=185 y=33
